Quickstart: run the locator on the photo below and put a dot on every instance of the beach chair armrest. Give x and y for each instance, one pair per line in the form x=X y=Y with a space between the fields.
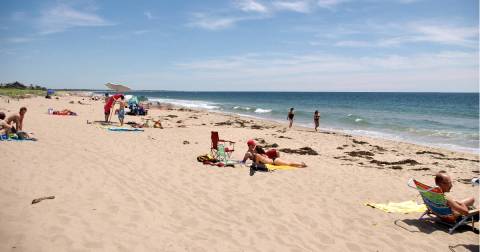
x=473 y=212
x=221 y=140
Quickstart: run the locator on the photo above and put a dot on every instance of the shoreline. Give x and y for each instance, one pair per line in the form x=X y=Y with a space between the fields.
x=370 y=134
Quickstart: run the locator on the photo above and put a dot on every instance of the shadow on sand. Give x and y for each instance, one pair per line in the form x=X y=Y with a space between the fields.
x=428 y=226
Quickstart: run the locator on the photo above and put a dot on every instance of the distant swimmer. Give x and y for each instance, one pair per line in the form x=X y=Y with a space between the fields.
x=290 y=117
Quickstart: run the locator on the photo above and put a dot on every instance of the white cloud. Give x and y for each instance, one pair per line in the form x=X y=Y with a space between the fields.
x=320 y=71
x=63 y=17
x=205 y=21
x=124 y=35
x=296 y=6
x=251 y=6
x=18 y=40
x=463 y=36
x=396 y=34
x=149 y=15
x=329 y=3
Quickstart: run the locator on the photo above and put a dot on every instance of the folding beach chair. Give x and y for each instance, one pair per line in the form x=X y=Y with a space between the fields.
x=436 y=203
x=219 y=146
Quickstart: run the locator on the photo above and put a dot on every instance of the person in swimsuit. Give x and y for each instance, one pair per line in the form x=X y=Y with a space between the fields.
x=260 y=156
x=459 y=207
x=121 y=110
x=253 y=149
x=290 y=117
x=316 y=119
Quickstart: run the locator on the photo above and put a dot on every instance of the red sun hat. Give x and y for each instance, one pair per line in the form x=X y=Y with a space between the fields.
x=251 y=142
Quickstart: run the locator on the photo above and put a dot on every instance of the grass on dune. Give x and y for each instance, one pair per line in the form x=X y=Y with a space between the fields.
x=21 y=93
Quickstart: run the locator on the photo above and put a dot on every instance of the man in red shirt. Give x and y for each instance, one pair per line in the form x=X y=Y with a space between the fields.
x=109 y=104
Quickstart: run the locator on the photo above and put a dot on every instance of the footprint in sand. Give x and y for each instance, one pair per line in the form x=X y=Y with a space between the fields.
x=353 y=247
x=325 y=239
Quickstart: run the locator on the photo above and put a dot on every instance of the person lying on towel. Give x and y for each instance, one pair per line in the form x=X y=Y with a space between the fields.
x=65 y=112
x=258 y=155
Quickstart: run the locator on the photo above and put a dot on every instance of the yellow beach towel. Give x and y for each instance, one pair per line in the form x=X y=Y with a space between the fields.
x=279 y=167
x=400 y=207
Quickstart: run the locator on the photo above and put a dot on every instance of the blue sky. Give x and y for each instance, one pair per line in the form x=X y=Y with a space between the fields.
x=277 y=45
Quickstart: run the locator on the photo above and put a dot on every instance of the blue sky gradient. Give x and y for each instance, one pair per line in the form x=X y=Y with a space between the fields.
x=243 y=45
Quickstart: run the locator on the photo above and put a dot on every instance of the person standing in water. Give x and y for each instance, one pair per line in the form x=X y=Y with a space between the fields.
x=316 y=119
x=290 y=117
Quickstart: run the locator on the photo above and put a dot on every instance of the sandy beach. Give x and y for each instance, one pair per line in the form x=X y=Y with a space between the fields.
x=145 y=191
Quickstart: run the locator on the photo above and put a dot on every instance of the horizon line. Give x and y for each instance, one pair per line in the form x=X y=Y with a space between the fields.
x=251 y=91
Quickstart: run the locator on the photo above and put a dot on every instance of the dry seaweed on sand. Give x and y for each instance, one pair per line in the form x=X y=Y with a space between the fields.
x=430 y=152
x=301 y=151
x=458 y=159
x=35 y=201
x=360 y=153
x=359 y=142
x=405 y=161
x=420 y=169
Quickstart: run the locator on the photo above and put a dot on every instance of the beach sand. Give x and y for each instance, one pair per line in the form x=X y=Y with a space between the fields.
x=145 y=191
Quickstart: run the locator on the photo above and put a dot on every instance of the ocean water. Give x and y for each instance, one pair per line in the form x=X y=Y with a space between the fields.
x=447 y=120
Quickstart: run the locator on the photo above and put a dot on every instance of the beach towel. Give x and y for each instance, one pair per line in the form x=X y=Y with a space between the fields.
x=124 y=129
x=14 y=137
x=271 y=167
x=400 y=207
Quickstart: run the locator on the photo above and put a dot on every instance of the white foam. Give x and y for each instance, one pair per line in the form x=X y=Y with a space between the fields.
x=187 y=103
x=259 y=110
x=375 y=134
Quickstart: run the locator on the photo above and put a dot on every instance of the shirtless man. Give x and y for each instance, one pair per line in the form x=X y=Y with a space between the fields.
x=443 y=180
x=17 y=119
x=5 y=128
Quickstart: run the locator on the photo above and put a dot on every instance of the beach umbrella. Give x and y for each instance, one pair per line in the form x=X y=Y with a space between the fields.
x=117 y=87
x=133 y=100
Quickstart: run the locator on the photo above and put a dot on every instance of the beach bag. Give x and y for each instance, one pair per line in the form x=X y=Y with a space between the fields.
x=206 y=158
x=259 y=167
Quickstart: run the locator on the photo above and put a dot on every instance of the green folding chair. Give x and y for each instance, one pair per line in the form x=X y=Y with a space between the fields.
x=437 y=207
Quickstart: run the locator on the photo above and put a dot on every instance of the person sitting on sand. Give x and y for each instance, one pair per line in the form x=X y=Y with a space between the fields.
x=290 y=117
x=5 y=128
x=259 y=156
x=250 y=154
x=17 y=119
x=459 y=208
